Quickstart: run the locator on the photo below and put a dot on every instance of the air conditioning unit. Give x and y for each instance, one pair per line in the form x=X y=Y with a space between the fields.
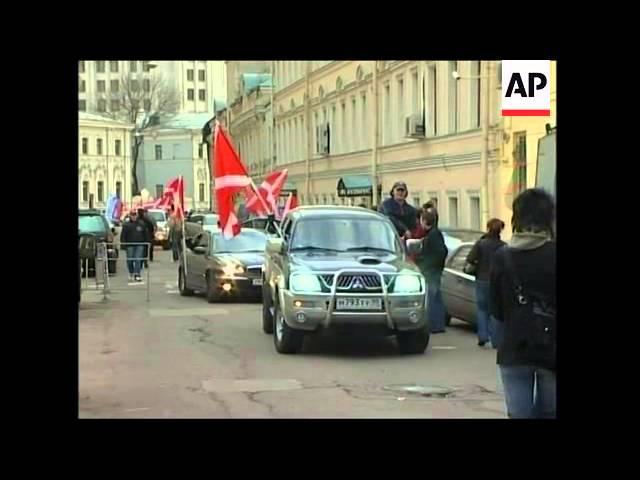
x=414 y=126
x=323 y=137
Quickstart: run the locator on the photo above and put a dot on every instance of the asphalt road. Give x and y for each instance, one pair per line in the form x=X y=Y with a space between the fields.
x=181 y=357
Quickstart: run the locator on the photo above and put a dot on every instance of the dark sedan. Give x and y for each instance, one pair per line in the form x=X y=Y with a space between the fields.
x=223 y=268
x=92 y=222
x=459 y=288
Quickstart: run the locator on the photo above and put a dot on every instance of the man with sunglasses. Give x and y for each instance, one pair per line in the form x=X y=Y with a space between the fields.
x=402 y=215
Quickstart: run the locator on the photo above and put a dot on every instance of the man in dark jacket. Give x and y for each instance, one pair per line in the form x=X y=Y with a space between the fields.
x=527 y=351
x=402 y=215
x=480 y=257
x=134 y=232
x=431 y=263
x=152 y=226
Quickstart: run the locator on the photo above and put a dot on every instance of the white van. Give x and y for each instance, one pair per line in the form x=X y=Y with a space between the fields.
x=162 y=233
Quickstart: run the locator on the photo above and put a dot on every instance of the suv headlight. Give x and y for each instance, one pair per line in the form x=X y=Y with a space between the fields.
x=231 y=270
x=305 y=282
x=407 y=284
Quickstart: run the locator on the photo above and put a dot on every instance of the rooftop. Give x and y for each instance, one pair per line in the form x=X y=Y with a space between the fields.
x=185 y=121
x=94 y=117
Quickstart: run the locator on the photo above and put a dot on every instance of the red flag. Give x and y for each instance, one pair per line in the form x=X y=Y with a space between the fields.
x=269 y=190
x=292 y=202
x=175 y=190
x=231 y=177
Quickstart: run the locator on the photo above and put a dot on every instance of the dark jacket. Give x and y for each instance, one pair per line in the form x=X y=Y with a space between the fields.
x=481 y=255
x=403 y=217
x=536 y=269
x=135 y=232
x=433 y=254
x=150 y=223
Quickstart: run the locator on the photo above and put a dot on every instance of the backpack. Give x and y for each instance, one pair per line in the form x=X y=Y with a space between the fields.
x=534 y=318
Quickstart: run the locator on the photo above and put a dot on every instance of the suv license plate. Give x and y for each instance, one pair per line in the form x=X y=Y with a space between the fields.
x=358 y=304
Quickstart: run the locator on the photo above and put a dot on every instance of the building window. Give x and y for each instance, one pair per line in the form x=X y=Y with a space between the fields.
x=100 y=66
x=190 y=75
x=115 y=105
x=201 y=75
x=133 y=66
x=85 y=191
x=201 y=95
x=201 y=188
x=432 y=100
x=190 y=94
x=400 y=103
x=135 y=86
x=119 y=189
x=83 y=86
x=99 y=146
x=85 y=146
x=81 y=66
x=415 y=102
x=146 y=85
x=115 y=86
x=159 y=190
x=82 y=105
x=113 y=66
x=453 y=212
x=135 y=104
x=102 y=86
x=147 y=105
x=158 y=152
x=200 y=150
x=118 y=147
x=474 y=211
x=101 y=191
x=453 y=97
x=519 y=176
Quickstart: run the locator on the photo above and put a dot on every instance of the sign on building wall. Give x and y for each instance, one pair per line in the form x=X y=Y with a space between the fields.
x=526 y=88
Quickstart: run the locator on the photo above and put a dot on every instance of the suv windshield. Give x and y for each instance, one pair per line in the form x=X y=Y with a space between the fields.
x=91 y=223
x=246 y=241
x=158 y=216
x=344 y=234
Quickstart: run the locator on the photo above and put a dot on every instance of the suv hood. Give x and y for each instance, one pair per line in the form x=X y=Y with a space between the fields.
x=331 y=262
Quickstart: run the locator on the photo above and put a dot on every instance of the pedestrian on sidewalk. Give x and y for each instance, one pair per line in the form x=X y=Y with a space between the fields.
x=479 y=264
x=175 y=235
x=431 y=263
x=152 y=226
x=522 y=295
x=133 y=237
x=403 y=215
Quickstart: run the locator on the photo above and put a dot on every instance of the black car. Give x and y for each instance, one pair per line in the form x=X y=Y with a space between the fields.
x=221 y=267
x=262 y=223
x=93 y=222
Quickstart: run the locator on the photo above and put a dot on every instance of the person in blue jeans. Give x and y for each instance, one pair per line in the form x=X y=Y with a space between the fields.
x=479 y=259
x=431 y=263
x=136 y=234
x=522 y=298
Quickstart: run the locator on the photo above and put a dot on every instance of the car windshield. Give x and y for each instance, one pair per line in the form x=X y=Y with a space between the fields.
x=158 y=216
x=344 y=234
x=246 y=241
x=91 y=223
x=210 y=219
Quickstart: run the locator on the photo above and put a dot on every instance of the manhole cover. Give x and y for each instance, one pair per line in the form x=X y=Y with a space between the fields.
x=423 y=390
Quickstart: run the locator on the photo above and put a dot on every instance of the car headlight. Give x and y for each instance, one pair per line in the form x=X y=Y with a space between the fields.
x=305 y=282
x=231 y=270
x=407 y=284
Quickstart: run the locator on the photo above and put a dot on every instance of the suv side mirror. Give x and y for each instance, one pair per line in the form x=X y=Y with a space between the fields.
x=413 y=246
x=200 y=249
x=276 y=245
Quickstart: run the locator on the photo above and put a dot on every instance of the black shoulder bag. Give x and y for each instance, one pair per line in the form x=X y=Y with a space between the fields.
x=534 y=318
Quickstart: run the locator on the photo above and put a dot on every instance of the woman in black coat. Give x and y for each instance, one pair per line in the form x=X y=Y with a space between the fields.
x=522 y=295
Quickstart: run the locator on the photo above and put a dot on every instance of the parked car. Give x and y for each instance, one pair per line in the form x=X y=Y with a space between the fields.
x=223 y=267
x=341 y=266
x=91 y=221
x=459 y=288
x=454 y=237
x=161 y=236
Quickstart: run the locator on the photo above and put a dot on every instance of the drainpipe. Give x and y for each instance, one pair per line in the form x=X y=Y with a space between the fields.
x=376 y=134
x=307 y=115
x=484 y=154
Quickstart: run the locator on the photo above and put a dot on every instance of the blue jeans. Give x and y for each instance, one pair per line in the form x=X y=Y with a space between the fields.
x=435 y=304
x=530 y=392
x=483 y=318
x=135 y=254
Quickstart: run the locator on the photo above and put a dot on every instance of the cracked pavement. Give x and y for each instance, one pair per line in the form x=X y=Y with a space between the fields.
x=180 y=357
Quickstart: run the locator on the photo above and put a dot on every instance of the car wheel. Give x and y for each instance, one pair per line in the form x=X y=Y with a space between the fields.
x=212 y=292
x=185 y=291
x=286 y=339
x=267 y=318
x=447 y=319
x=413 y=342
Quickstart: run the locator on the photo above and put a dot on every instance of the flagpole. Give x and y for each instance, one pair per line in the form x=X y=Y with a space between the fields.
x=184 y=234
